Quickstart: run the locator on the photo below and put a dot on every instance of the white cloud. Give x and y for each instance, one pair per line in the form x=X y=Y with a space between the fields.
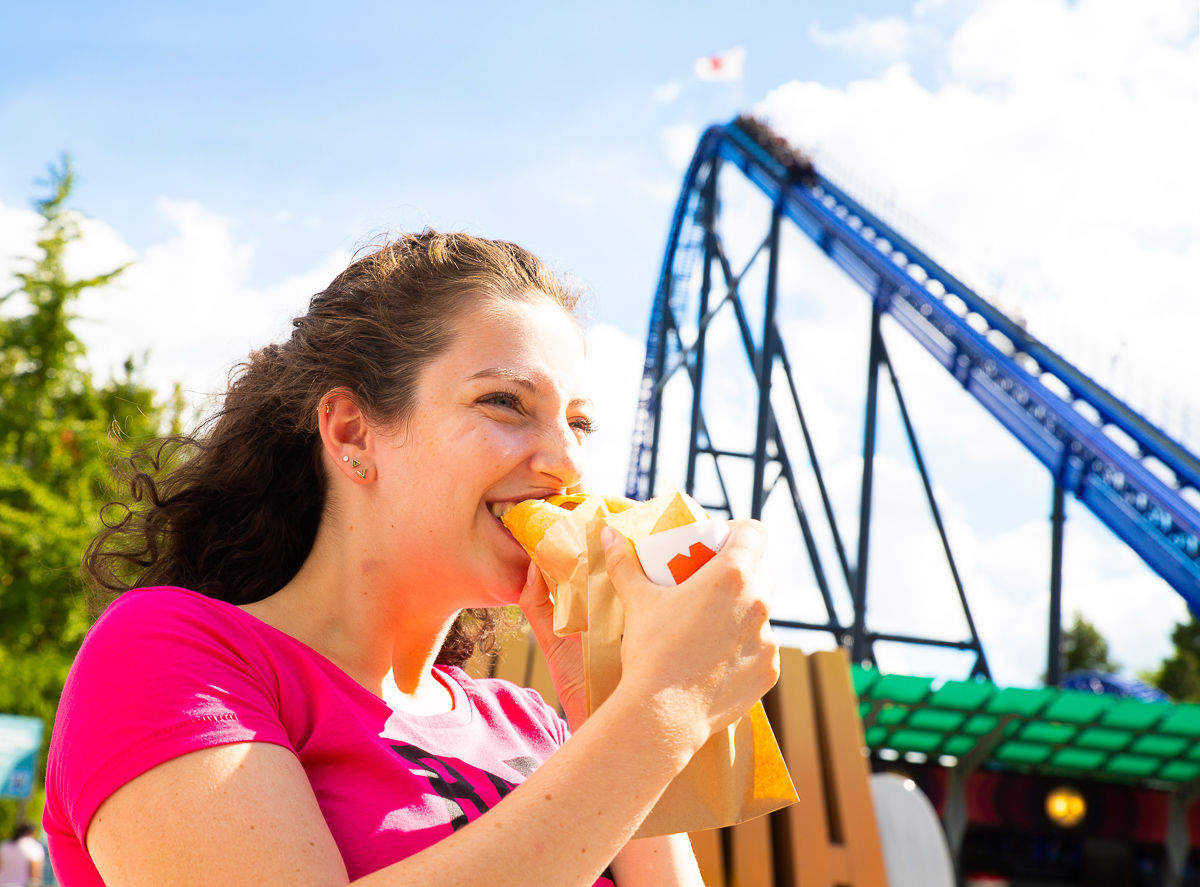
x=889 y=38
x=18 y=230
x=1065 y=169
x=1072 y=160
x=614 y=376
x=99 y=249
x=679 y=142
x=1053 y=166
x=666 y=93
x=185 y=304
x=1056 y=153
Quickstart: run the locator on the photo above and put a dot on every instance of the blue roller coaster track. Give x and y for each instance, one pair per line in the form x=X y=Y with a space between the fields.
x=1131 y=475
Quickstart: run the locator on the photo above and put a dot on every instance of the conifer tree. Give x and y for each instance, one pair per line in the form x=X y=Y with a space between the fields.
x=59 y=431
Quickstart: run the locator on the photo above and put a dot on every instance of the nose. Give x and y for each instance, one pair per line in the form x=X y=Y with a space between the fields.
x=559 y=457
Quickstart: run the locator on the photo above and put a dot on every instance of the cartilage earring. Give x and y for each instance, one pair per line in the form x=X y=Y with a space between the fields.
x=328 y=408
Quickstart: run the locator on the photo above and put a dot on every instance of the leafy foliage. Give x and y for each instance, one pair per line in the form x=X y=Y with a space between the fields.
x=1179 y=675
x=1085 y=649
x=59 y=431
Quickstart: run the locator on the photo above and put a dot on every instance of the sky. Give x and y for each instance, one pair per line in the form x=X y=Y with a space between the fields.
x=239 y=154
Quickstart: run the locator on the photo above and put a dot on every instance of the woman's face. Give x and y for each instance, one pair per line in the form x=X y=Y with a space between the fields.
x=499 y=417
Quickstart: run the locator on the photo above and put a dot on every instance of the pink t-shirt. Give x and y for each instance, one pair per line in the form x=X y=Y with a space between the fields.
x=166 y=671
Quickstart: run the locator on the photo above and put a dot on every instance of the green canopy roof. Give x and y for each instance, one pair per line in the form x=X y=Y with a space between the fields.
x=1049 y=730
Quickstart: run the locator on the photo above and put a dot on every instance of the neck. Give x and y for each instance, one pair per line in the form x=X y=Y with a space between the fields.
x=385 y=636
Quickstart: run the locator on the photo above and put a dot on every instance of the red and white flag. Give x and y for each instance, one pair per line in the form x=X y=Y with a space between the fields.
x=727 y=65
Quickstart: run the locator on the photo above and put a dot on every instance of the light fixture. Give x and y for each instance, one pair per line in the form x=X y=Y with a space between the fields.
x=1065 y=806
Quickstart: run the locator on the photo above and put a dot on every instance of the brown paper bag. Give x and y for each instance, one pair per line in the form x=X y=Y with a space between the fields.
x=562 y=556
x=739 y=773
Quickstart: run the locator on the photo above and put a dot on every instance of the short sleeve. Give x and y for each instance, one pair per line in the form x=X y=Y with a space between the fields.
x=546 y=715
x=505 y=705
x=162 y=673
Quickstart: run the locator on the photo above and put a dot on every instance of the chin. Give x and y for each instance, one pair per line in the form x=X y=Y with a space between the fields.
x=511 y=595
x=505 y=592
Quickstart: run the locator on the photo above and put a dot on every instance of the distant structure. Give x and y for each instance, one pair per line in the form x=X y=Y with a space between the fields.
x=1130 y=474
x=1090 y=780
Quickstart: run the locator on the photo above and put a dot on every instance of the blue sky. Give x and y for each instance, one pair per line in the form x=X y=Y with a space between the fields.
x=535 y=122
x=1044 y=150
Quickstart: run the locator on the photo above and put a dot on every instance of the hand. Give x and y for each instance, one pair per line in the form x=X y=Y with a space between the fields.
x=564 y=656
x=704 y=647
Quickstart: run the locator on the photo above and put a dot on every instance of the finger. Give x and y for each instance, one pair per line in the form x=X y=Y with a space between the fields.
x=621 y=563
x=538 y=606
x=749 y=536
x=535 y=601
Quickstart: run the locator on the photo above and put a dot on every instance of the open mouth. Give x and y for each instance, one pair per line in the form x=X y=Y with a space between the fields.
x=566 y=502
x=499 y=509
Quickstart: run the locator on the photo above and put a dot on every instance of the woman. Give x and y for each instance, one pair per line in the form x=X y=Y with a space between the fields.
x=291 y=710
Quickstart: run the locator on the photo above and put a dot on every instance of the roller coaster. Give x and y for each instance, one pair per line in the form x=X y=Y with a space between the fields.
x=1138 y=481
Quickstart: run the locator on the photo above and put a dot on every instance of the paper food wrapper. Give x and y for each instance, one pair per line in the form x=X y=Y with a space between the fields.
x=562 y=553
x=739 y=773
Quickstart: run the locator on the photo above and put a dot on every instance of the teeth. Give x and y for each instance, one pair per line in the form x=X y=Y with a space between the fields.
x=499 y=509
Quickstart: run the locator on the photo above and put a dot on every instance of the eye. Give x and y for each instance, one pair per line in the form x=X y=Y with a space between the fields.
x=583 y=426
x=505 y=399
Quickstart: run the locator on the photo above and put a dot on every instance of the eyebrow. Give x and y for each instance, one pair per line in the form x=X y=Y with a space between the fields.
x=507 y=375
x=523 y=381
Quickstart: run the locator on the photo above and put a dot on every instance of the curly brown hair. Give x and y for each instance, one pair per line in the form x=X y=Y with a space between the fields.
x=232 y=510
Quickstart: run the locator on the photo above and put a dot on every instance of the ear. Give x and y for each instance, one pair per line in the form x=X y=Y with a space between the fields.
x=345 y=435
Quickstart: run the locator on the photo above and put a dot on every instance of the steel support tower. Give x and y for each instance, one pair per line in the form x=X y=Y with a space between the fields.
x=1139 y=482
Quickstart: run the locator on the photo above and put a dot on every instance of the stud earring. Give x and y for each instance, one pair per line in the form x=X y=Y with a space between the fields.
x=362 y=472
x=354 y=463
x=345 y=458
x=328 y=408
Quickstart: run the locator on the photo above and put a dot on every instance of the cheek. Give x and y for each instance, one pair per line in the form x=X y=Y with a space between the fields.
x=500 y=449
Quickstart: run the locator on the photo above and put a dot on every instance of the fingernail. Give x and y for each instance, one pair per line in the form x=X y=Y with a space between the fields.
x=608 y=537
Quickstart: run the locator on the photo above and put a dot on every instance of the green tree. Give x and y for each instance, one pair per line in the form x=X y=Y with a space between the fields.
x=1179 y=674
x=59 y=429
x=1085 y=649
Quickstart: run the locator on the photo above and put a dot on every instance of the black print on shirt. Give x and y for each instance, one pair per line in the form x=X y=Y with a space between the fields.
x=450 y=782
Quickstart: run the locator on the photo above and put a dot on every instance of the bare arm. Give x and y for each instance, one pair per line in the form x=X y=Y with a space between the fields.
x=657 y=862
x=666 y=861
x=244 y=815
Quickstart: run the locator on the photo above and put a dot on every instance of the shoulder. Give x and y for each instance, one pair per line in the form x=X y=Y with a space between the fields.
x=157 y=644
x=161 y=657
x=143 y=621
x=163 y=603
x=164 y=671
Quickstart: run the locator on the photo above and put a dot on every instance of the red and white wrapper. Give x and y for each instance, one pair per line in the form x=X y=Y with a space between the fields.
x=670 y=556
